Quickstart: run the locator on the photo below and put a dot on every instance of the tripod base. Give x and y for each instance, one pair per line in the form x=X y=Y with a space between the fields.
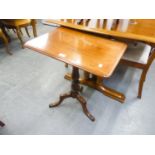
x=74 y=93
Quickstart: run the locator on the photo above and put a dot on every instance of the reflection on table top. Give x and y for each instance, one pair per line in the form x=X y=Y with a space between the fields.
x=94 y=54
x=140 y=30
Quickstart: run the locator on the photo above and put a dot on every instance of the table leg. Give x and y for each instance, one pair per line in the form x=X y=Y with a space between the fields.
x=98 y=85
x=74 y=93
x=1 y=124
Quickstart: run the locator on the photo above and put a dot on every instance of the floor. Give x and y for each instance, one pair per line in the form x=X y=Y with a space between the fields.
x=30 y=81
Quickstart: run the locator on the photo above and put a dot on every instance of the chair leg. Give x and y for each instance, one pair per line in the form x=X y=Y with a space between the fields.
x=7 y=49
x=21 y=32
x=14 y=30
x=19 y=36
x=141 y=83
x=26 y=29
x=6 y=34
x=33 y=23
x=145 y=70
x=5 y=40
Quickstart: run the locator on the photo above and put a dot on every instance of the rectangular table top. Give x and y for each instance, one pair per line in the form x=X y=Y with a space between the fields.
x=94 y=54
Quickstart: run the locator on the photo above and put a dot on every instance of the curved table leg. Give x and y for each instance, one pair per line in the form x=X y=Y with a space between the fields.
x=61 y=98
x=84 y=107
x=74 y=93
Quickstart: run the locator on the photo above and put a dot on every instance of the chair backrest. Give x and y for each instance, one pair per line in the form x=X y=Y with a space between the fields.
x=108 y=24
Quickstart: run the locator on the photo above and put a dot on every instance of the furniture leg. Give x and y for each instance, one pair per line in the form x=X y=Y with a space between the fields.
x=111 y=93
x=108 y=91
x=2 y=124
x=84 y=107
x=26 y=29
x=21 y=32
x=13 y=30
x=144 y=72
x=19 y=36
x=141 y=83
x=5 y=40
x=5 y=33
x=33 y=23
x=62 y=97
x=74 y=93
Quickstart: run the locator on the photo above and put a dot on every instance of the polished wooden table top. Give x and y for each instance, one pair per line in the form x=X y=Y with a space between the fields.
x=90 y=53
x=140 y=30
x=144 y=27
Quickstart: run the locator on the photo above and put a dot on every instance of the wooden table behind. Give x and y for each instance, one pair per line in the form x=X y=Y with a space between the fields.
x=138 y=30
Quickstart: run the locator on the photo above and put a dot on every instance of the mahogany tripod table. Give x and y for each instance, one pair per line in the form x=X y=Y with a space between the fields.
x=90 y=53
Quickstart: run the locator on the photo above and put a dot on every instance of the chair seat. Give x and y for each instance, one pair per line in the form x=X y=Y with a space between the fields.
x=137 y=53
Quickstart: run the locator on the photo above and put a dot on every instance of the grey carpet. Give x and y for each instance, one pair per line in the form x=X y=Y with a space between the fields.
x=30 y=81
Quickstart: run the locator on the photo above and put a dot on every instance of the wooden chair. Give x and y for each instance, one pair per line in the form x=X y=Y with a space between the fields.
x=17 y=24
x=137 y=55
x=5 y=40
x=140 y=56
